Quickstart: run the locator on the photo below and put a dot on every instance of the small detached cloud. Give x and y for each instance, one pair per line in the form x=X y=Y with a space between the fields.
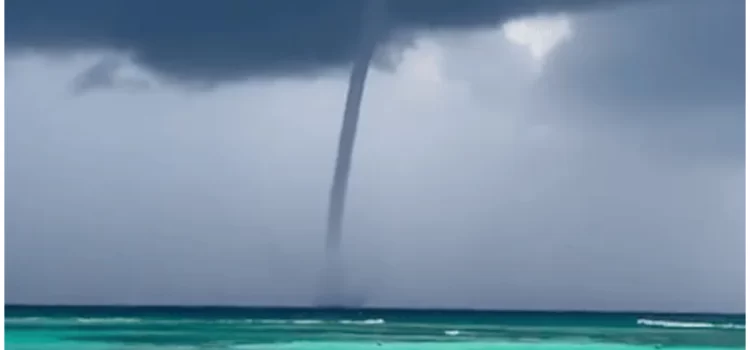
x=107 y=73
x=541 y=35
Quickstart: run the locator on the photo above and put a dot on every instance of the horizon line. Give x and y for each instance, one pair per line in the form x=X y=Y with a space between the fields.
x=376 y=308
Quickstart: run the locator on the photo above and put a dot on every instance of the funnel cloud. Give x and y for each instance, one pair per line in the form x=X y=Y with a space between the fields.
x=373 y=21
x=562 y=155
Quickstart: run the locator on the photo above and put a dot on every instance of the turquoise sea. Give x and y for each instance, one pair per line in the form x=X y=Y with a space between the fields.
x=173 y=328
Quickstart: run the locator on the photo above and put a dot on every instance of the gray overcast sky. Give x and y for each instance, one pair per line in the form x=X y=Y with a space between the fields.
x=589 y=157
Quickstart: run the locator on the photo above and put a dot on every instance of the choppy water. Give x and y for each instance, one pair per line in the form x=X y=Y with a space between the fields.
x=170 y=328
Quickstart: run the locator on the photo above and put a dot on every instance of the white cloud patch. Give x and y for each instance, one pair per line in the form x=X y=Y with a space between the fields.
x=539 y=34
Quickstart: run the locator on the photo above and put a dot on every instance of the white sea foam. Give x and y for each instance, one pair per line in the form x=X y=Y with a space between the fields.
x=71 y=320
x=307 y=321
x=682 y=324
x=302 y=321
x=364 y=322
x=452 y=332
x=108 y=320
x=230 y=321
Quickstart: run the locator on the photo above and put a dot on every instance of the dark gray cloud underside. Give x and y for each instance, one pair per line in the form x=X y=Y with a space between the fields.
x=676 y=66
x=212 y=41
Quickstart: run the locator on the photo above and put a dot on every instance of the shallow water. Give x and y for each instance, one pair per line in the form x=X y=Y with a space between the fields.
x=122 y=328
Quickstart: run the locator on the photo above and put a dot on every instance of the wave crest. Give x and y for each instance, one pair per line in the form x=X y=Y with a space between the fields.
x=364 y=322
x=108 y=320
x=682 y=324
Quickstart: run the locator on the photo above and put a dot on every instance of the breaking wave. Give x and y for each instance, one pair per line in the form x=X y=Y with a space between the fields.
x=84 y=320
x=683 y=324
x=123 y=320
x=364 y=322
x=108 y=320
x=307 y=321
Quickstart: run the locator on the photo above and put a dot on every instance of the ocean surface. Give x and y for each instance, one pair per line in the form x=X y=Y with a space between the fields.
x=173 y=328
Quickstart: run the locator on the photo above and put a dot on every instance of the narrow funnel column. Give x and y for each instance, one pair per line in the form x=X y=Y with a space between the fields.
x=374 y=12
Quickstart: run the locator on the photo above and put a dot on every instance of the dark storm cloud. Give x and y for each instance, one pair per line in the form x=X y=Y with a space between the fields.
x=660 y=53
x=211 y=41
x=672 y=68
x=598 y=185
